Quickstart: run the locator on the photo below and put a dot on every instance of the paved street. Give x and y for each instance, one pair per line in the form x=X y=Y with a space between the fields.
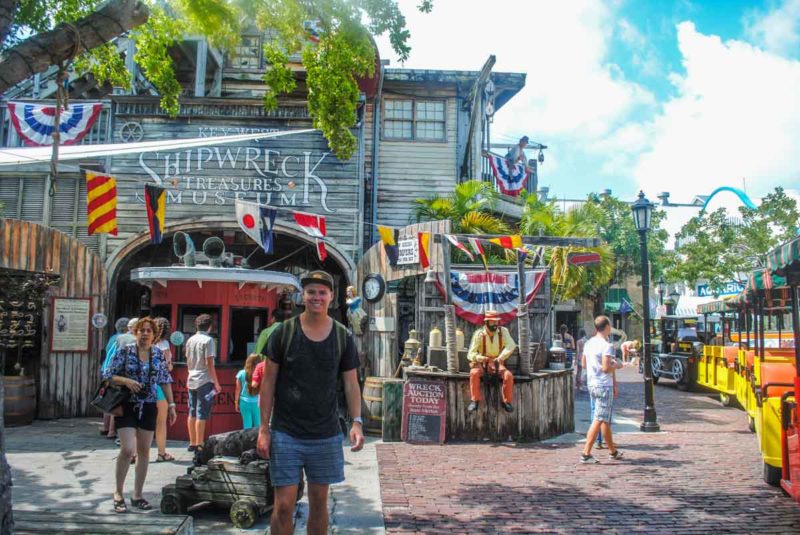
x=702 y=474
x=67 y=465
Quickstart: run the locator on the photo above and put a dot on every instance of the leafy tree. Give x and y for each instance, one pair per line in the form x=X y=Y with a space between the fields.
x=469 y=208
x=343 y=52
x=541 y=217
x=718 y=248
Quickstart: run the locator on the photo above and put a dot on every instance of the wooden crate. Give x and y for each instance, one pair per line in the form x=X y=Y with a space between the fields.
x=55 y=521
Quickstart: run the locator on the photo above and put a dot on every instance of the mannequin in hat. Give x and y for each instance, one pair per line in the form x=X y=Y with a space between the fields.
x=490 y=347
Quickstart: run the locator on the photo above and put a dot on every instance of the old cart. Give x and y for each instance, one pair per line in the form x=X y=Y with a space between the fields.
x=224 y=482
x=677 y=350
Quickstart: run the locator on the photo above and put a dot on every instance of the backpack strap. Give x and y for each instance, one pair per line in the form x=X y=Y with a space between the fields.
x=341 y=337
x=287 y=333
x=288 y=329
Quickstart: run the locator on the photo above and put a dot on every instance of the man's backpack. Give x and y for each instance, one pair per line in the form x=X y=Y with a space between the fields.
x=288 y=328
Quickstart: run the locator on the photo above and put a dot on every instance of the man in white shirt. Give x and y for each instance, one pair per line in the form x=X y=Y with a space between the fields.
x=600 y=366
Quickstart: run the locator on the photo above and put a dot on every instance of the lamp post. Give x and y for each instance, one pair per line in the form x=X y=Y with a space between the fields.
x=673 y=300
x=662 y=286
x=642 y=210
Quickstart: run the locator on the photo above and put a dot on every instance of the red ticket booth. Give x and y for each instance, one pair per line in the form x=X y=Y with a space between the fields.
x=240 y=301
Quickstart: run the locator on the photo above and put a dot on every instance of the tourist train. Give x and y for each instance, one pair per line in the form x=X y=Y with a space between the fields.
x=752 y=361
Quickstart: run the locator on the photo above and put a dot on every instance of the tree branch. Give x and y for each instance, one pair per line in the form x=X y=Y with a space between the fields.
x=8 y=11
x=38 y=53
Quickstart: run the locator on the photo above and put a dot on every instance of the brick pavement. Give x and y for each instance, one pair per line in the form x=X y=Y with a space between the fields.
x=701 y=474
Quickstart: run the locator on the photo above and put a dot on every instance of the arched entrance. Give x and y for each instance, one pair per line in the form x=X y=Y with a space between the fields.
x=294 y=252
x=240 y=300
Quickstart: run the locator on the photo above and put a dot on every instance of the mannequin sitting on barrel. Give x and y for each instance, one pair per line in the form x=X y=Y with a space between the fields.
x=490 y=347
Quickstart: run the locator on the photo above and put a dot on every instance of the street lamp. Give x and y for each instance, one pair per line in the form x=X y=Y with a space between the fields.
x=674 y=296
x=662 y=287
x=642 y=210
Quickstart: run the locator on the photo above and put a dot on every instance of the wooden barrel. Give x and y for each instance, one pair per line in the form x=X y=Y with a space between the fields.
x=19 y=406
x=373 y=405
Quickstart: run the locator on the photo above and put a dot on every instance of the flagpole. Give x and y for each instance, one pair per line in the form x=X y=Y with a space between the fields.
x=449 y=309
x=523 y=324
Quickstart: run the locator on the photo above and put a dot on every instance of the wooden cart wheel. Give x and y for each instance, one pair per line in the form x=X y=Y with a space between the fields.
x=244 y=513
x=171 y=504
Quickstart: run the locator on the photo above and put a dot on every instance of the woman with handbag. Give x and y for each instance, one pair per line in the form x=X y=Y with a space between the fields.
x=141 y=368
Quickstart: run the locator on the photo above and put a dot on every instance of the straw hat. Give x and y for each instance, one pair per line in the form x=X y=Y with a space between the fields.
x=491 y=315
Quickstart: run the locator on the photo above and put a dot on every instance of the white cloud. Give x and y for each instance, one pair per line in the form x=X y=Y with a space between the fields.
x=777 y=30
x=572 y=89
x=736 y=116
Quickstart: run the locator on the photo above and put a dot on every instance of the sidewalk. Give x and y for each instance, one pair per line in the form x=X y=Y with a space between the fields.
x=66 y=464
x=701 y=474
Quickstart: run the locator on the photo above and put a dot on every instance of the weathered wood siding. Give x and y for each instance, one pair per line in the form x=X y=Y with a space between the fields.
x=65 y=382
x=297 y=172
x=543 y=408
x=382 y=347
x=409 y=170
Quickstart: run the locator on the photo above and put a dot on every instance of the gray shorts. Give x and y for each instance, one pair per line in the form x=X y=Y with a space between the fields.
x=321 y=459
x=199 y=406
x=603 y=398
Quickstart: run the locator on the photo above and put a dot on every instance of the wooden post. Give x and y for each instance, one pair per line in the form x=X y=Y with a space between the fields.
x=392 y=409
x=523 y=322
x=449 y=310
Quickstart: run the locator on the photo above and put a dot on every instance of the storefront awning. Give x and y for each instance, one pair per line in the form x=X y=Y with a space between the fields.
x=200 y=274
x=618 y=301
x=720 y=305
x=688 y=304
x=785 y=257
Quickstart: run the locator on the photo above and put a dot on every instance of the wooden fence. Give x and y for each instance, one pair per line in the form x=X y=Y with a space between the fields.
x=65 y=381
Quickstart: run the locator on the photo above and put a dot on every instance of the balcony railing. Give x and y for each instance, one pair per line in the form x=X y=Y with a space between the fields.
x=488 y=176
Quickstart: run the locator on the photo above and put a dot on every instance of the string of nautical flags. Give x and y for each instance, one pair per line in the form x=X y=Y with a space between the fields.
x=256 y=220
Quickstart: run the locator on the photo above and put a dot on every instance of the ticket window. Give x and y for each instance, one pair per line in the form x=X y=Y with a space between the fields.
x=246 y=324
x=186 y=316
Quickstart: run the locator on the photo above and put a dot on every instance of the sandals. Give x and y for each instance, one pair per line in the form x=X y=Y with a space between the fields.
x=141 y=503
x=120 y=507
x=164 y=457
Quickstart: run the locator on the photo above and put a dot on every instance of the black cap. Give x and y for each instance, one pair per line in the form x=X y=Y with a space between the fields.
x=524 y=138
x=317 y=277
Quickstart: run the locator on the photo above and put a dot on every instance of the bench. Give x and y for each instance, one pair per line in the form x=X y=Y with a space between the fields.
x=59 y=521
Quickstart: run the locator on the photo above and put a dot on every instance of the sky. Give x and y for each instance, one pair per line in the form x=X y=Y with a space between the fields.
x=660 y=95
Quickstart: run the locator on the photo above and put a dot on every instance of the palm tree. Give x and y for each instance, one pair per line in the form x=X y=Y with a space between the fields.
x=468 y=208
x=543 y=218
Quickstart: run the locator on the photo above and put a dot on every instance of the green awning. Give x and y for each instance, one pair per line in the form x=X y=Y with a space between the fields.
x=614 y=299
x=763 y=279
x=720 y=305
x=785 y=257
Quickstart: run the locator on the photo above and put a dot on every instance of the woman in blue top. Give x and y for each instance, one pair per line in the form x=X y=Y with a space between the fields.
x=142 y=369
x=246 y=397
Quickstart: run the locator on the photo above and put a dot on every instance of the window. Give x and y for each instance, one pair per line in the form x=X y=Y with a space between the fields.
x=419 y=120
x=248 y=54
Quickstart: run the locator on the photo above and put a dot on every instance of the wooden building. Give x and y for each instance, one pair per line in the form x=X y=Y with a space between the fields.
x=419 y=133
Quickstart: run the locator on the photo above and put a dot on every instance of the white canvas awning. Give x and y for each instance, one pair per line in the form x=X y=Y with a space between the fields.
x=31 y=155
x=687 y=304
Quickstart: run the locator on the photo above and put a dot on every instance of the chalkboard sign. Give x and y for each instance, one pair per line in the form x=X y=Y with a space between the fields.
x=424 y=410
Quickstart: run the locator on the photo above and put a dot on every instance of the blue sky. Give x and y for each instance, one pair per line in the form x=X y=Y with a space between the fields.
x=664 y=95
